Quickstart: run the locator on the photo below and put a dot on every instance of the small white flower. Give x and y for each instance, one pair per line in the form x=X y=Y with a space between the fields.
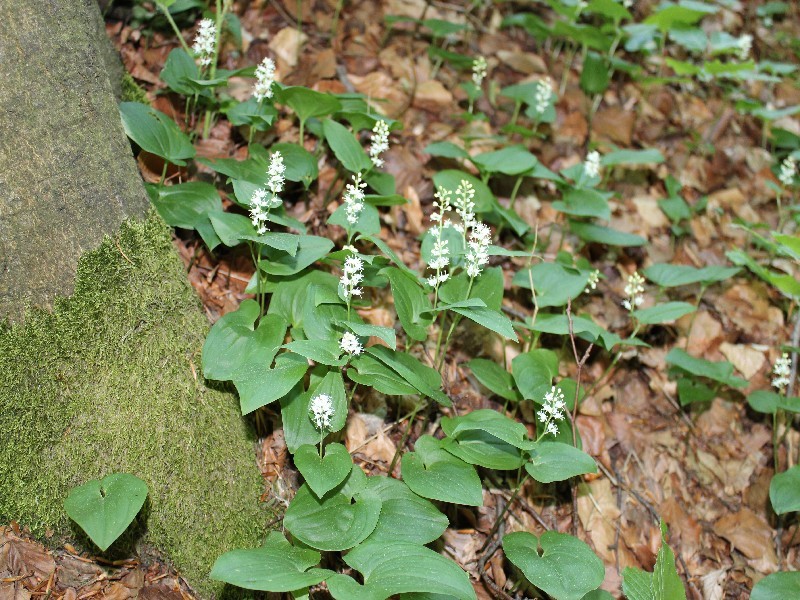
x=354 y=198
x=465 y=206
x=743 y=46
x=592 y=165
x=478 y=248
x=591 y=283
x=321 y=409
x=380 y=142
x=350 y=344
x=552 y=410
x=479 y=70
x=265 y=77
x=277 y=175
x=782 y=370
x=627 y=3
x=788 y=171
x=352 y=275
x=634 y=290
x=266 y=198
x=544 y=95
x=205 y=42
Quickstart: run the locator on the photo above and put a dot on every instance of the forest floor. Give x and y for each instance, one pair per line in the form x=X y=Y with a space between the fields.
x=704 y=470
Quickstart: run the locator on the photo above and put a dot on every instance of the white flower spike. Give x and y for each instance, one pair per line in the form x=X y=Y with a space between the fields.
x=352 y=275
x=743 y=46
x=465 y=206
x=788 y=171
x=205 y=42
x=354 y=198
x=592 y=165
x=591 y=283
x=479 y=70
x=265 y=77
x=350 y=344
x=478 y=248
x=380 y=142
x=552 y=410
x=634 y=292
x=321 y=409
x=782 y=370
x=544 y=95
x=266 y=198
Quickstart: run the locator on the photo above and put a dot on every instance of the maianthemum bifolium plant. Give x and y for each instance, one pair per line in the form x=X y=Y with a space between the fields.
x=303 y=346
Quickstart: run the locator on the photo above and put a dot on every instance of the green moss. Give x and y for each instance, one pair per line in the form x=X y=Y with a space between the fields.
x=132 y=91
x=109 y=381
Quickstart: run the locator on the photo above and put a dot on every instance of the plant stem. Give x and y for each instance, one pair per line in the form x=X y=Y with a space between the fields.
x=163 y=174
x=172 y=24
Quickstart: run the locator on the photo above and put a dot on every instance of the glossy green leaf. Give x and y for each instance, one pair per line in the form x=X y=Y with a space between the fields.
x=777 y=586
x=663 y=584
x=346 y=147
x=554 y=283
x=405 y=516
x=490 y=319
x=554 y=461
x=337 y=521
x=324 y=352
x=179 y=72
x=368 y=222
x=594 y=75
x=277 y=566
x=450 y=179
x=667 y=275
x=718 y=371
x=589 y=232
x=632 y=157
x=310 y=248
x=155 y=132
x=511 y=160
x=323 y=474
x=485 y=450
x=104 y=508
x=424 y=379
x=411 y=303
x=533 y=373
x=258 y=384
x=663 y=313
x=784 y=491
x=584 y=202
x=489 y=421
x=446 y=150
x=566 y=568
x=369 y=371
x=431 y=472
x=386 y=334
x=307 y=103
x=258 y=115
x=495 y=378
x=188 y=206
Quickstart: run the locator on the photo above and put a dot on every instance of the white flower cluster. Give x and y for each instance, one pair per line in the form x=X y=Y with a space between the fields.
x=350 y=344
x=479 y=70
x=627 y=3
x=440 y=252
x=321 y=409
x=544 y=95
x=352 y=275
x=634 y=291
x=591 y=283
x=380 y=142
x=552 y=410
x=465 y=206
x=478 y=248
x=788 y=171
x=205 y=42
x=266 y=198
x=782 y=370
x=592 y=165
x=743 y=46
x=265 y=77
x=354 y=198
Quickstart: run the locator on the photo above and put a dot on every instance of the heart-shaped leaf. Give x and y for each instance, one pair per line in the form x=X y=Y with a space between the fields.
x=554 y=461
x=338 y=521
x=155 y=132
x=433 y=473
x=566 y=569
x=104 y=508
x=400 y=508
x=275 y=567
x=323 y=474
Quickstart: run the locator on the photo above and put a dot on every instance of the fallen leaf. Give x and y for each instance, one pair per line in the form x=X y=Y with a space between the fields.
x=747 y=532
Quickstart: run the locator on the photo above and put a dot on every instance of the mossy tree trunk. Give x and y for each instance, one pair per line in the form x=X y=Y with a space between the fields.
x=66 y=173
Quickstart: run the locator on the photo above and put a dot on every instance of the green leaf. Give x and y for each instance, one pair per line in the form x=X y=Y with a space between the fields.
x=258 y=385
x=491 y=319
x=369 y=371
x=663 y=584
x=663 y=313
x=670 y=16
x=346 y=147
x=446 y=150
x=636 y=584
x=424 y=379
x=594 y=76
x=667 y=275
x=323 y=474
x=387 y=334
x=554 y=283
x=632 y=157
x=434 y=473
x=323 y=352
x=400 y=508
x=582 y=327
x=483 y=449
x=489 y=421
x=188 y=206
x=717 y=371
x=554 y=461
x=337 y=521
x=179 y=72
x=690 y=391
x=233 y=342
x=258 y=115
x=104 y=508
x=534 y=372
x=777 y=586
x=609 y=8
x=784 y=491
x=368 y=222
x=411 y=303
x=566 y=569
x=495 y=378
x=404 y=567
x=310 y=248
x=450 y=179
x=511 y=160
x=301 y=165
x=589 y=232
x=155 y=132
x=307 y=103
x=277 y=566
x=584 y=203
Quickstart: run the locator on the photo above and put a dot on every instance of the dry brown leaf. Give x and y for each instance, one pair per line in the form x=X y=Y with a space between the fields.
x=286 y=45
x=433 y=96
x=615 y=124
x=747 y=360
x=747 y=532
x=523 y=62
